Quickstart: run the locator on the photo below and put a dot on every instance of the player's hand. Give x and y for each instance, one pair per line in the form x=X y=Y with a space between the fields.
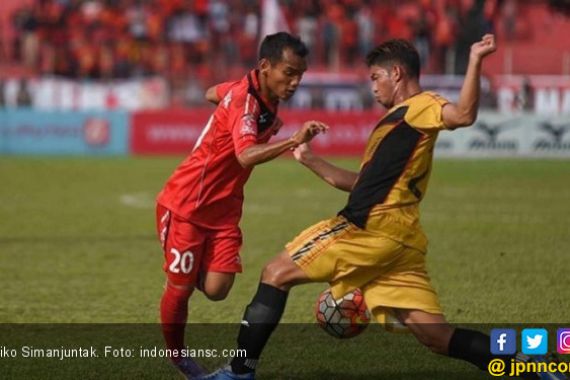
x=303 y=152
x=484 y=47
x=277 y=124
x=309 y=130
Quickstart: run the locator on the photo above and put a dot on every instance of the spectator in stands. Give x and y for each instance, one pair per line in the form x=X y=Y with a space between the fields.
x=3 y=53
x=2 y=94
x=366 y=29
x=26 y=42
x=525 y=97
x=349 y=37
x=509 y=17
x=249 y=36
x=471 y=21
x=306 y=28
x=443 y=36
x=113 y=39
x=331 y=35
x=23 y=96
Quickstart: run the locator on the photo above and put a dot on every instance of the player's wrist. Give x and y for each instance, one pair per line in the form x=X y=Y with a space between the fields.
x=307 y=159
x=292 y=142
x=475 y=59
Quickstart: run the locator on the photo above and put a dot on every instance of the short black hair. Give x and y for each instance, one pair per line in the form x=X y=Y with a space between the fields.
x=273 y=46
x=396 y=51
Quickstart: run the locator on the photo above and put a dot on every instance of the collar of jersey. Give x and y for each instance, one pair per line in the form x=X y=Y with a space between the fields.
x=255 y=79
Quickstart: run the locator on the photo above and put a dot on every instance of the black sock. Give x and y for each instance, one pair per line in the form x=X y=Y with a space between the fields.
x=260 y=319
x=472 y=346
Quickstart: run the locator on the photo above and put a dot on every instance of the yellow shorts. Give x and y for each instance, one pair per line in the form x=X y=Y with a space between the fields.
x=390 y=275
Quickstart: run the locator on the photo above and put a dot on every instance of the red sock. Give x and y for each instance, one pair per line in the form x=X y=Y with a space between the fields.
x=173 y=315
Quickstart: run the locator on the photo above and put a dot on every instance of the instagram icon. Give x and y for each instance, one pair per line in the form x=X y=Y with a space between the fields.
x=563 y=345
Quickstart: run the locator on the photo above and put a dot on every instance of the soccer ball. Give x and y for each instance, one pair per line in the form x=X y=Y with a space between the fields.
x=342 y=318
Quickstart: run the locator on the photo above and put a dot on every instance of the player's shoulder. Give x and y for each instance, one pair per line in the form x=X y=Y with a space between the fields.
x=424 y=110
x=426 y=99
x=240 y=97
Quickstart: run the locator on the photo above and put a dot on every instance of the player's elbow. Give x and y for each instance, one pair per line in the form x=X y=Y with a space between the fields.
x=245 y=161
x=211 y=95
x=464 y=119
x=469 y=119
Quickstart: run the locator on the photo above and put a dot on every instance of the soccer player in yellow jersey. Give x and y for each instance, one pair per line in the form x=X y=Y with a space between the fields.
x=376 y=243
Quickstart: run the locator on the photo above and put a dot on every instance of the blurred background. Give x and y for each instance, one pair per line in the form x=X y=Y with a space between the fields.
x=137 y=56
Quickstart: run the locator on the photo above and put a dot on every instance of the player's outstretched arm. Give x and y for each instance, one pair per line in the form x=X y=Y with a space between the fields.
x=333 y=175
x=260 y=153
x=464 y=112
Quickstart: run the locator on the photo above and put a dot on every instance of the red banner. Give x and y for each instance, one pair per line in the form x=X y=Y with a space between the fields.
x=166 y=132
x=176 y=131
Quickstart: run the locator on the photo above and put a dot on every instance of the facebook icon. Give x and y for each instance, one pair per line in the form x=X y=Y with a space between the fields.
x=503 y=341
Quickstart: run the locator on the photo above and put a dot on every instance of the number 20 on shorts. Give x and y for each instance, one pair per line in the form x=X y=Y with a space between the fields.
x=183 y=262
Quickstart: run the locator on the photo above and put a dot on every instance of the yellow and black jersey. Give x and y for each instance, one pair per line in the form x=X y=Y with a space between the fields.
x=396 y=167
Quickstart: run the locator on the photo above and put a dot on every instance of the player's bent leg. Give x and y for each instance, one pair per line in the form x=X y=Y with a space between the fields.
x=173 y=316
x=286 y=270
x=174 y=313
x=264 y=312
x=432 y=330
x=282 y=273
x=216 y=286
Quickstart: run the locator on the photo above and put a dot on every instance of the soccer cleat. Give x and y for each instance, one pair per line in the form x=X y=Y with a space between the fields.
x=549 y=358
x=190 y=369
x=227 y=374
x=549 y=375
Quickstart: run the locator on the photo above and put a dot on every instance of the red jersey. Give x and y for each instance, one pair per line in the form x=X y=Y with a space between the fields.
x=207 y=187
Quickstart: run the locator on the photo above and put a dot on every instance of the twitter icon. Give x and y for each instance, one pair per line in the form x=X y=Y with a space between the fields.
x=534 y=341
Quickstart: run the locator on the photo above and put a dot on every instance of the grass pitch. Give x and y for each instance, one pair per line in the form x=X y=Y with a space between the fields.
x=78 y=245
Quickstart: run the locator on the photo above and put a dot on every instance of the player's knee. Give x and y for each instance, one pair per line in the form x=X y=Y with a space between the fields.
x=434 y=343
x=278 y=274
x=217 y=292
x=216 y=286
x=178 y=291
x=217 y=296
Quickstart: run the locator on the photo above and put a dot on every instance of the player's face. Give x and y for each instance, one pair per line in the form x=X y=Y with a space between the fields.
x=284 y=76
x=383 y=85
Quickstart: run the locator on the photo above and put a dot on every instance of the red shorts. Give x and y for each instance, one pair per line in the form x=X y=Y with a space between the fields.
x=190 y=250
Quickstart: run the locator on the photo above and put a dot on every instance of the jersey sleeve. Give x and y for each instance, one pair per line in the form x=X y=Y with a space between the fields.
x=223 y=88
x=245 y=114
x=426 y=112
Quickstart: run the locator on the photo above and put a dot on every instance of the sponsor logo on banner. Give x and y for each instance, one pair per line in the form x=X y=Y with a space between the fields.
x=489 y=137
x=507 y=135
x=96 y=131
x=553 y=137
x=166 y=132
x=38 y=132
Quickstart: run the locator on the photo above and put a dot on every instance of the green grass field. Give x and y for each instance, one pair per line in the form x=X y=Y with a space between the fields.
x=78 y=245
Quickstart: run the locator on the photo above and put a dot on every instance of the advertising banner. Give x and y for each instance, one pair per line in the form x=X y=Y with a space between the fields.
x=166 y=132
x=59 y=133
x=61 y=94
x=508 y=135
x=175 y=132
x=494 y=135
x=539 y=94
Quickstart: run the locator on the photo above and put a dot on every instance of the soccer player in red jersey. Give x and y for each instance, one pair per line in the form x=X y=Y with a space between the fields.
x=199 y=208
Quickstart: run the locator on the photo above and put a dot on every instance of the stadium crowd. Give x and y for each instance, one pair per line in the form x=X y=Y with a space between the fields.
x=206 y=38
